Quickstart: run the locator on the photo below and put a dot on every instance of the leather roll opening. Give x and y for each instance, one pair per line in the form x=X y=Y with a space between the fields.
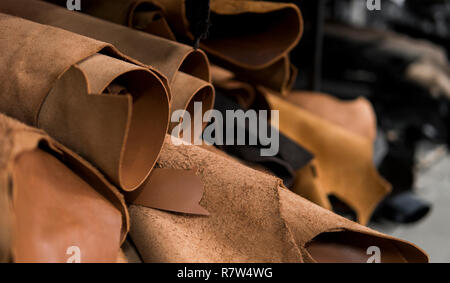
x=148 y=126
x=353 y=247
x=205 y=95
x=196 y=64
x=277 y=31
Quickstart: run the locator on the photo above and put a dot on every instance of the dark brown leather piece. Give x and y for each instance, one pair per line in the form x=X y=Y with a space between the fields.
x=171 y=190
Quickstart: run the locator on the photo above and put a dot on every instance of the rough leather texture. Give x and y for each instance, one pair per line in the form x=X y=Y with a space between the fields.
x=174 y=62
x=253 y=218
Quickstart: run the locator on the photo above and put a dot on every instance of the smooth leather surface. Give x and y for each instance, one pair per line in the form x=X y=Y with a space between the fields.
x=57 y=200
x=54 y=210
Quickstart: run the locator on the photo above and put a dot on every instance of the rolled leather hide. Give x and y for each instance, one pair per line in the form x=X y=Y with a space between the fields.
x=183 y=69
x=250 y=38
x=85 y=94
x=61 y=208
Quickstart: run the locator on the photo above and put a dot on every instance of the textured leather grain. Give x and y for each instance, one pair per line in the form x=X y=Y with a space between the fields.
x=253 y=218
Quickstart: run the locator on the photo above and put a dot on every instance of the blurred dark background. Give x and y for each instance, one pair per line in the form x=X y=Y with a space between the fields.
x=397 y=57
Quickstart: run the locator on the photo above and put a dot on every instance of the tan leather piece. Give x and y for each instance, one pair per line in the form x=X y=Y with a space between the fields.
x=171 y=190
x=357 y=116
x=84 y=210
x=168 y=57
x=252 y=218
x=343 y=160
x=41 y=93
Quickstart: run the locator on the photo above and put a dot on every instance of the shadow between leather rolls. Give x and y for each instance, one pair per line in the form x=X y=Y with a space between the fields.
x=184 y=71
x=86 y=95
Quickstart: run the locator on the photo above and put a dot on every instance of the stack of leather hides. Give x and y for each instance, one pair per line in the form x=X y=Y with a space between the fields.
x=88 y=165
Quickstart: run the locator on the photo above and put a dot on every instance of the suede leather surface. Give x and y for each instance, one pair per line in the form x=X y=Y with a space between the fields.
x=253 y=218
x=167 y=57
x=58 y=200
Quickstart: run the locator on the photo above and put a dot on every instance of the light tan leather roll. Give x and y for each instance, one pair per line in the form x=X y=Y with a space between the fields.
x=253 y=218
x=61 y=208
x=343 y=166
x=251 y=38
x=66 y=84
x=166 y=56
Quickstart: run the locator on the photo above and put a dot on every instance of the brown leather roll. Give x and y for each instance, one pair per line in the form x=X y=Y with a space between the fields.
x=343 y=166
x=64 y=83
x=251 y=38
x=247 y=95
x=60 y=206
x=253 y=218
x=168 y=57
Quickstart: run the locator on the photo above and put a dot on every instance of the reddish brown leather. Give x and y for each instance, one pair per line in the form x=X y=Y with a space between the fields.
x=171 y=190
x=55 y=209
x=57 y=200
